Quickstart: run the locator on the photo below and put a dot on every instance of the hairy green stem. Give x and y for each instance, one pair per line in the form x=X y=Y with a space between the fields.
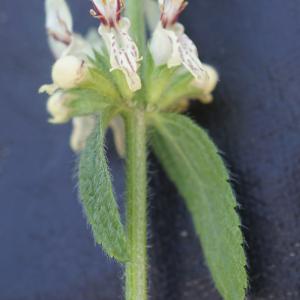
x=136 y=168
x=135 y=12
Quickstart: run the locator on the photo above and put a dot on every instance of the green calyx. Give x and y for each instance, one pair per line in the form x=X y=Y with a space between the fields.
x=163 y=89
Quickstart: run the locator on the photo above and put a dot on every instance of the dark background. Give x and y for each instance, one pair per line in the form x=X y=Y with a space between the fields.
x=47 y=251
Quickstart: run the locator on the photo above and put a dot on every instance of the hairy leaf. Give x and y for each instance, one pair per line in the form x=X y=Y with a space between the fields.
x=86 y=102
x=98 y=199
x=192 y=162
x=156 y=78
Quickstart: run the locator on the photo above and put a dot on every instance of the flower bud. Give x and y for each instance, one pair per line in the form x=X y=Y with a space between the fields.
x=68 y=71
x=58 y=109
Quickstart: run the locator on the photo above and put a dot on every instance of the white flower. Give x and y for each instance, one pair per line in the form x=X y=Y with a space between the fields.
x=71 y=51
x=170 y=45
x=211 y=81
x=62 y=40
x=170 y=11
x=108 y=11
x=59 y=26
x=118 y=129
x=114 y=29
x=161 y=46
x=82 y=128
x=68 y=71
x=208 y=85
x=58 y=109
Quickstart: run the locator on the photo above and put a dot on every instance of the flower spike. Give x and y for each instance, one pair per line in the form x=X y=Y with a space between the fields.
x=124 y=54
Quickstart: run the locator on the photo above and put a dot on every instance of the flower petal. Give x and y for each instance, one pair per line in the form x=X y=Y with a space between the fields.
x=82 y=128
x=170 y=11
x=59 y=25
x=108 y=11
x=124 y=54
x=161 y=46
x=185 y=52
x=208 y=85
x=69 y=71
x=211 y=81
x=118 y=128
x=189 y=57
x=58 y=109
x=50 y=89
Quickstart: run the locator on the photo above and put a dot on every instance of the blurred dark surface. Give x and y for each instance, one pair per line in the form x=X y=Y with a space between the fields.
x=47 y=251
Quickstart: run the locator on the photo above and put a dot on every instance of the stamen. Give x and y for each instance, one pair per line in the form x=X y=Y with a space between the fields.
x=170 y=11
x=95 y=13
x=120 y=7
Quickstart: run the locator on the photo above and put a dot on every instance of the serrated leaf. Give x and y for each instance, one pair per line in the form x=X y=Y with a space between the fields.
x=97 y=196
x=192 y=162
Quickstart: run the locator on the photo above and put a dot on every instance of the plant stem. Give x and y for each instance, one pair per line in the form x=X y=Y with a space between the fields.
x=136 y=168
x=135 y=12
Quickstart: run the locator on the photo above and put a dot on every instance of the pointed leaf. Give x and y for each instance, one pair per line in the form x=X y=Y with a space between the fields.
x=192 y=162
x=98 y=199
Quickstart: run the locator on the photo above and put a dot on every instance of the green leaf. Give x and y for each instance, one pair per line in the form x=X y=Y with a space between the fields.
x=121 y=84
x=179 y=88
x=159 y=82
x=192 y=162
x=86 y=102
x=116 y=77
x=96 y=193
x=103 y=84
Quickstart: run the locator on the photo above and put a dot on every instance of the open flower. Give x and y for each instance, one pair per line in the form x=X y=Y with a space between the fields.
x=59 y=25
x=170 y=45
x=71 y=68
x=114 y=29
x=70 y=51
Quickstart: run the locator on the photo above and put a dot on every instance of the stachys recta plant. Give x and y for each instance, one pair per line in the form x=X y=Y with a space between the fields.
x=115 y=78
